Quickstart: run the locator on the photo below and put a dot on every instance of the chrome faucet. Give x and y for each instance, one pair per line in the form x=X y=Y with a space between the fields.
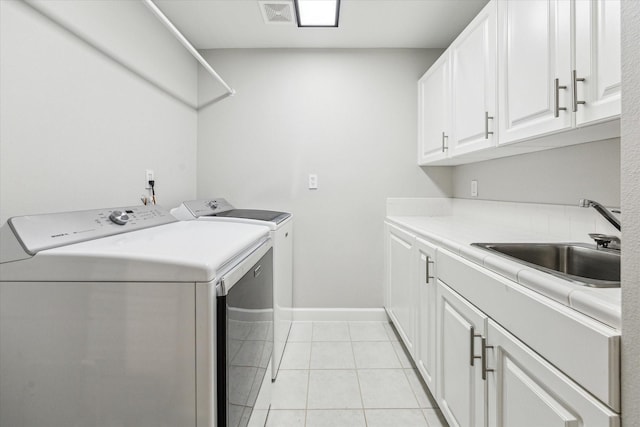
x=603 y=240
x=586 y=203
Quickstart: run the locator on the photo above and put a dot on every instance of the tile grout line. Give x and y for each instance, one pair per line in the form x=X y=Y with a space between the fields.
x=413 y=368
x=306 y=404
x=415 y=394
x=353 y=353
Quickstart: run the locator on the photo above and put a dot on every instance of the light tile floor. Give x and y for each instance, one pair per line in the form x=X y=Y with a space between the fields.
x=349 y=374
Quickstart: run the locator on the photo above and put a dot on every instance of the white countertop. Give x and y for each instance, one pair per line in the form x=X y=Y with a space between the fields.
x=456 y=233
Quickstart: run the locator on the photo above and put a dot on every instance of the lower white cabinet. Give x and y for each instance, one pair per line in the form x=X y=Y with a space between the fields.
x=401 y=295
x=460 y=387
x=411 y=297
x=426 y=330
x=487 y=377
x=524 y=390
x=481 y=374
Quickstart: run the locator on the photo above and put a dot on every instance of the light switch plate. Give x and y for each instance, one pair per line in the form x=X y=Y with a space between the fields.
x=474 y=188
x=313 y=181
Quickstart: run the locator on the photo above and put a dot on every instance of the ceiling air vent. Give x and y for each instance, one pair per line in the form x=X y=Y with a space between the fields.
x=277 y=12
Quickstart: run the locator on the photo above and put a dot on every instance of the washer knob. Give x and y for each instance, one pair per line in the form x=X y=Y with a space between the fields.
x=213 y=205
x=119 y=217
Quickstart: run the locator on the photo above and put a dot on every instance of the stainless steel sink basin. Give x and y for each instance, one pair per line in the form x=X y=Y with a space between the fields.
x=577 y=262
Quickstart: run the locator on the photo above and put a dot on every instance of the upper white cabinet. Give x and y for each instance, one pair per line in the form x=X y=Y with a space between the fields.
x=473 y=85
x=434 y=112
x=535 y=61
x=523 y=76
x=457 y=95
x=596 y=80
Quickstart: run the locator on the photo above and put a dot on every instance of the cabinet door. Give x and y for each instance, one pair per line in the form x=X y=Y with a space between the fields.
x=460 y=388
x=534 y=50
x=426 y=331
x=402 y=299
x=597 y=60
x=434 y=112
x=473 y=84
x=524 y=390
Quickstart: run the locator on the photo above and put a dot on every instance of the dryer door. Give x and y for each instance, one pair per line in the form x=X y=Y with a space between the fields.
x=245 y=340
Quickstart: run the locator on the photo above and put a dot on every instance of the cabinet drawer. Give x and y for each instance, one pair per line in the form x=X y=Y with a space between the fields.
x=584 y=349
x=526 y=391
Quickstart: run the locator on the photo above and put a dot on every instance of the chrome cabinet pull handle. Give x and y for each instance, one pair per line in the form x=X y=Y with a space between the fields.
x=444 y=147
x=484 y=358
x=576 y=79
x=487 y=117
x=428 y=276
x=472 y=337
x=557 y=99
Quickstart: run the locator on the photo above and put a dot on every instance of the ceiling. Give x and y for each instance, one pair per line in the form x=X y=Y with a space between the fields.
x=215 y=24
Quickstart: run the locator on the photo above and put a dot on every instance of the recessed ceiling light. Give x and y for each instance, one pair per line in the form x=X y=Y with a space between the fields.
x=317 y=13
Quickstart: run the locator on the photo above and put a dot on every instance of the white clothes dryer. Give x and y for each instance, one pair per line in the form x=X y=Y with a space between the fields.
x=281 y=232
x=129 y=317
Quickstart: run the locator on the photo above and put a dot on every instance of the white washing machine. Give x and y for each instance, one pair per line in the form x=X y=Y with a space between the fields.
x=130 y=318
x=281 y=226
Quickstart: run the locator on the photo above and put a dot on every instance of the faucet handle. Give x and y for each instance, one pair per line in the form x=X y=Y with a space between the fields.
x=605 y=240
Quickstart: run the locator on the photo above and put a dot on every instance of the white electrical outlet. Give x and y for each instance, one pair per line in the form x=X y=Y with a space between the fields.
x=313 y=181
x=474 y=188
x=148 y=176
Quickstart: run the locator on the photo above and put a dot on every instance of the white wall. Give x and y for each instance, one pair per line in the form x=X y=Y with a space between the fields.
x=630 y=213
x=130 y=34
x=348 y=116
x=79 y=127
x=559 y=176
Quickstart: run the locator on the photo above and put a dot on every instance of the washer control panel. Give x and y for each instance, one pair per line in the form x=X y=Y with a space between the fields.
x=39 y=232
x=207 y=207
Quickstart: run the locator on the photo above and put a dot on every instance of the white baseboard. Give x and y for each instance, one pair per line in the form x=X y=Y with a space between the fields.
x=340 y=314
